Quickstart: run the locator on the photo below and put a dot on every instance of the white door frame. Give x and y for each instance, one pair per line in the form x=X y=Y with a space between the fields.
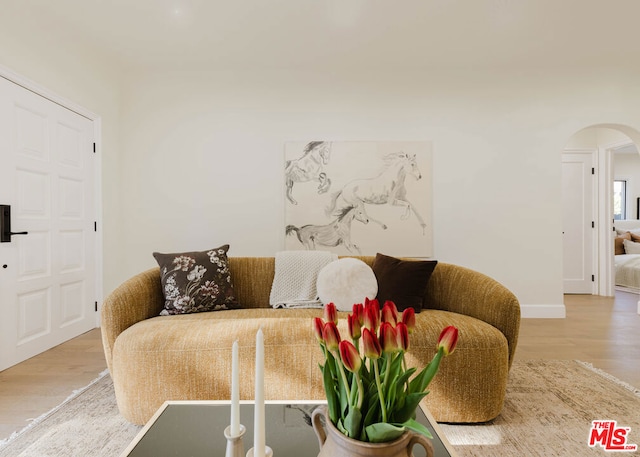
x=97 y=134
x=606 y=277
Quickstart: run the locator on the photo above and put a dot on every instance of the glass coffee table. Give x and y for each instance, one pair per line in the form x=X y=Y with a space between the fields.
x=196 y=428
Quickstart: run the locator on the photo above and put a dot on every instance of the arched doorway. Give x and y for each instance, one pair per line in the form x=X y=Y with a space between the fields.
x=597 y=147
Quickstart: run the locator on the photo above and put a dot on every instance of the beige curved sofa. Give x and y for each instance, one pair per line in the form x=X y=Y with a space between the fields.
x=155 y=358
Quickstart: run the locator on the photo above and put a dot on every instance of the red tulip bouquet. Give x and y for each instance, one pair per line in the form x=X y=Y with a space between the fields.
x=371 y=394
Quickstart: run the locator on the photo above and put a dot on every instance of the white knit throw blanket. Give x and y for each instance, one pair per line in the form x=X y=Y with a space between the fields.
x=294 y=282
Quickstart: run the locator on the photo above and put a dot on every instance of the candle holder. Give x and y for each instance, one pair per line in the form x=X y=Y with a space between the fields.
x=235 y=447
x=268 y=452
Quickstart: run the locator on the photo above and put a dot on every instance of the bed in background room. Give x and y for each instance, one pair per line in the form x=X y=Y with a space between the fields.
x=627 y=255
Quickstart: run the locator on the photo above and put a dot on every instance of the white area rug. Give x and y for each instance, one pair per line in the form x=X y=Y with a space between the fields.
x=86 y=424
x=548 y=411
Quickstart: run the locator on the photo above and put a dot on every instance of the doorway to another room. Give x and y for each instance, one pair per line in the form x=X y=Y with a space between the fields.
x=601 y=200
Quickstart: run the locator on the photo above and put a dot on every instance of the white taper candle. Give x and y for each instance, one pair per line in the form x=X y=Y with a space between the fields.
x=235 y=391
x=259 y=425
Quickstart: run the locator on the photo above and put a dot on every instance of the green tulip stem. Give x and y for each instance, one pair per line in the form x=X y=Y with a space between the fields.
x=360 y=390
x=344 y=376
x=387 y=373
x=404 y=368
x=383 y=405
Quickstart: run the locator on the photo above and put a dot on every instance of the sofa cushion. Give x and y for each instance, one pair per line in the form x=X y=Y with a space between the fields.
x=346 y=281
x=188 y=357
x=402 y=281
x=194 y=282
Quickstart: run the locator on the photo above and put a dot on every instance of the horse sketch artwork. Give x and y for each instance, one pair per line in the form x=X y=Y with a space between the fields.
x=379 y=197
x=333 y=234
x=388 y=187
x=309 y=167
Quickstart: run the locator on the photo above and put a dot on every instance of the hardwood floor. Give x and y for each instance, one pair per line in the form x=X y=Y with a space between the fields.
x=600 y=330
x=37 y=385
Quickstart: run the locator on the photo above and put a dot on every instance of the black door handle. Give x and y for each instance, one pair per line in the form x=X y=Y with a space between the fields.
x=5 y=225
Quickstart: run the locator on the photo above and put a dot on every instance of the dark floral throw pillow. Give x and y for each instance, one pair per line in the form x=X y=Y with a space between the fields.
x=195 y=282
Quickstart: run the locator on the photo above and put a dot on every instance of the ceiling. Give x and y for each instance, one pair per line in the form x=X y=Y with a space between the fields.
x=388 y=34
x=630 y=148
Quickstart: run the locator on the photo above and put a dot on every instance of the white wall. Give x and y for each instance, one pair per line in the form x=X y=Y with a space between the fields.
x=202 y=158
x=194 y=159
x=597 y=137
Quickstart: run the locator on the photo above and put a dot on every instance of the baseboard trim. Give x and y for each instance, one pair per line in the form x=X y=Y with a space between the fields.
x=543 y=311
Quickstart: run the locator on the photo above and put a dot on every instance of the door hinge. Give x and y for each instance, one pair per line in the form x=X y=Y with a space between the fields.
x=593 y=170
x=95 y=226
x=94 y=148
x=96 y=307
x=593 y=224
x=593 y=278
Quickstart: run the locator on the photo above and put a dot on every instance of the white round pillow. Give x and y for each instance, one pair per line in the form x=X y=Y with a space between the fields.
x=344 y=282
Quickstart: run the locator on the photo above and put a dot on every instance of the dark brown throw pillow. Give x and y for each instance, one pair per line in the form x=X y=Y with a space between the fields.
x=195 y=282
x=402 y=281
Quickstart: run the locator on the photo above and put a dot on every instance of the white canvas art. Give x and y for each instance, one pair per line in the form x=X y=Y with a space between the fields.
x=359 y=197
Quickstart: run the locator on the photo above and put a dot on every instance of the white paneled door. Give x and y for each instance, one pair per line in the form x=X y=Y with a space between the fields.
x=47 y=276
x=578 y=222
